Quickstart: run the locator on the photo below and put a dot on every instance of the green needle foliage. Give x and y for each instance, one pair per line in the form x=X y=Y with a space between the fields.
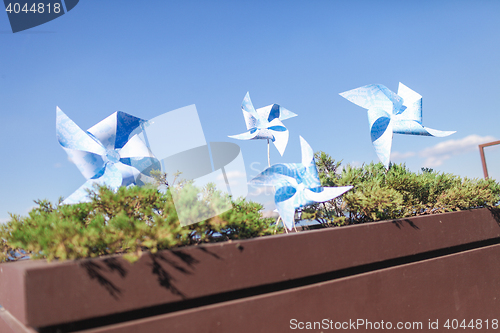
x=130 y=221
x=137 y=219
x=397 y=193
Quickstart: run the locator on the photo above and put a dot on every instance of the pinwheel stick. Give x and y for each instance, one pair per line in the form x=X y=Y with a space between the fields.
x=284 y=226
x=278 y=223
x=268 y=153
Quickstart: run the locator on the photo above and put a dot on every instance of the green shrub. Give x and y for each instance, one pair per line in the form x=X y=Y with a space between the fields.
x=397 y=193
x=129 y=221
x=137 y=219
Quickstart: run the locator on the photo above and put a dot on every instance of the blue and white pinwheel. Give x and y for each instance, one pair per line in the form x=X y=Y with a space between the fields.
x=390 y=113
x=297 y=185
x=265 y=123
x=107 y=153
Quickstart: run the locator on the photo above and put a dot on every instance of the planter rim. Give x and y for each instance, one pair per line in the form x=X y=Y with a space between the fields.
x=261 y=238
x=41 y=294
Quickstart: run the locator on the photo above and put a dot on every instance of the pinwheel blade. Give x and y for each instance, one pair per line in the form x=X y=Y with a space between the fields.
x=327 y=194
x=250 y=135
x=250 y=121
x=285 y=191
x=105 y=131
x=279 y=134
x=275 y=111
x=381 y=134
x=126 y=124
x=307 y=153
x=374 y=96
x=128 y=173
x=286 y=209
x=89 y=164
x=286 y=114
x=438 y=133
x=269 y=112
x=412 y=102
x=412 y=127
x=280 y=140
x=383 y=148
x=110 y=176
x=249 y=112
x=277 y=174
x=135 y=147
x=143 y=165
x=71 y=136
x=115 y=131
x=83 y=150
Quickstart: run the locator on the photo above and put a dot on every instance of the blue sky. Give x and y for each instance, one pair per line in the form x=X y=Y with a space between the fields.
x=149 y=57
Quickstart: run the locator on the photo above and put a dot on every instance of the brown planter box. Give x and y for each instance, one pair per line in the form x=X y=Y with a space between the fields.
x=424 y=268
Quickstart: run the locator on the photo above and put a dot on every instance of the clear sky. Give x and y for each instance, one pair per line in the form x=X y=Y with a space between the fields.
x=149 y=57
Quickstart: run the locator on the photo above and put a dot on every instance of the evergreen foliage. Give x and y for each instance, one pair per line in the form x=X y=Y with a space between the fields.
x=130 y=221
x=137 y=219
x=397 y=193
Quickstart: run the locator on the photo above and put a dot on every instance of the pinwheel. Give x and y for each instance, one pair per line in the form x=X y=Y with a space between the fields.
x=390 y=113
x=297 y=185
x=265 y=123
x=107 y=153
